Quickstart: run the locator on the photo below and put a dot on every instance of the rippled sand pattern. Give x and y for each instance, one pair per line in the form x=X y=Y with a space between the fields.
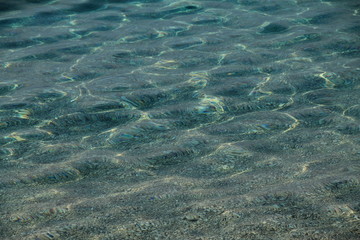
x=153 y=119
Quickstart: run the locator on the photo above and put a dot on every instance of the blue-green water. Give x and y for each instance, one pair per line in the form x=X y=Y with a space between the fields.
x=153 y=119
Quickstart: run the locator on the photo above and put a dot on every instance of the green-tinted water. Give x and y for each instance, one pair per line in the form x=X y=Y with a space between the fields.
x=125 y=119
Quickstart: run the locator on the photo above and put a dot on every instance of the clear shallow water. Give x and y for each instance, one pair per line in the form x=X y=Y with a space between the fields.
x=179 y=119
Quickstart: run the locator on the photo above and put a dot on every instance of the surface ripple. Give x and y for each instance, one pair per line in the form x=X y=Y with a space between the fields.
x=163 y=119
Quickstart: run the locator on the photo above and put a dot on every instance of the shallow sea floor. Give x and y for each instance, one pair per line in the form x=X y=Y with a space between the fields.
x=180 y=120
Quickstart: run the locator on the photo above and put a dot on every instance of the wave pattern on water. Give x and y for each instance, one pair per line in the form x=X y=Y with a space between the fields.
x=163 y=119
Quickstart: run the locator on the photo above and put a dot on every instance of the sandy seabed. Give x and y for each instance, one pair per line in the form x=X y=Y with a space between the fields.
x=179 y=120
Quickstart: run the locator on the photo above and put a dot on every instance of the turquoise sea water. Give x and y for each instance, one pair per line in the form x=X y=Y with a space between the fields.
x=163 y=119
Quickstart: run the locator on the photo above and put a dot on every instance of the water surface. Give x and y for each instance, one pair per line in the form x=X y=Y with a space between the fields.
x=163 y=119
